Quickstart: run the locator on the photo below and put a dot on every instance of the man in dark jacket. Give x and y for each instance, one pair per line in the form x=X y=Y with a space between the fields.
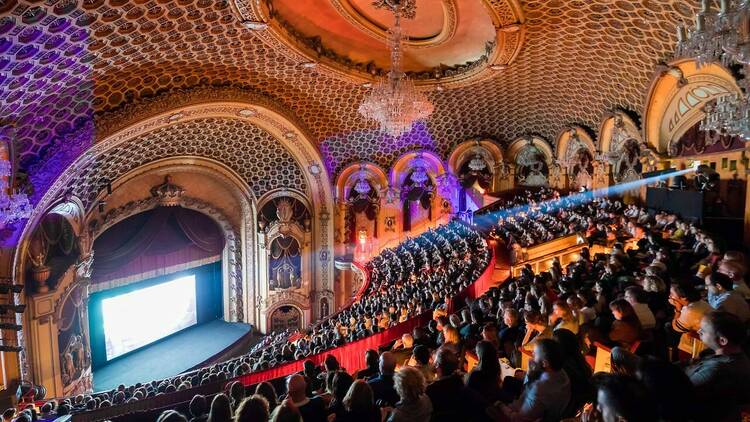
x=451 y=400
x=383 y=390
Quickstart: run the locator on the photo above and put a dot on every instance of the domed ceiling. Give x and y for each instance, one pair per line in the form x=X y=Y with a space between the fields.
x=66 y=62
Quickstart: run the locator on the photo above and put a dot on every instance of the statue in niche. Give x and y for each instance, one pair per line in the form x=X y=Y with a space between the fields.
x=532 y=168
x=628 y=165
x=583 y=169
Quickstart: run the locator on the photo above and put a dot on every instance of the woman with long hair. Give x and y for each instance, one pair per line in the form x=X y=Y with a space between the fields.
x=340 y=386
x=626 y=328
x=221 y=409
x=485 y=377
x=266 y=390
x=575 y=366
x=359 y=404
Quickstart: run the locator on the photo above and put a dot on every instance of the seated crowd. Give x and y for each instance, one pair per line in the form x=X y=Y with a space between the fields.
x=637 y=304
x=417 y=276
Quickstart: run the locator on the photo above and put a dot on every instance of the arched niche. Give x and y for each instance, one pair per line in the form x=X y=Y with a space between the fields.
x=576 y=152
x=676 y=99
x=286 y=256
x=533 y=160
x=423 y=187
x=359 y=190
x=479 y=165
x=129 y=124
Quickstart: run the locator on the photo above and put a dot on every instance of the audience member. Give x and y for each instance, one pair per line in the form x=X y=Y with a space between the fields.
x=414 y=405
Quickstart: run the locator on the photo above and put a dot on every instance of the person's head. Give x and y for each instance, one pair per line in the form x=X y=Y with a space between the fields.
x=621 y=309
x=359 y=398
x=331 y=363
x=387 y=363
x=510 y=317
x=533 y=320
x=409 y=383
x=63 y=409
x=308 y=366
x=198 y=406
x=421 y=354
x=237 y=392
x=451 y=335
x=286 y=412
x=296 y=387
x=171 y=416
x=221 y=409
x=623 y=361
x=252 y=409
x=560 y=309
x=266 y=390
x=673 y=387
x=635 y=294
x=341 y=383
x=371 y=359
x=683 y=293
x=735 y=270
x=446 y=362
x=718 y=283
x=487 y=355
x=623 y=398
x=722 y=332
x=548 y=355
x=569 y=342
x=407 y=340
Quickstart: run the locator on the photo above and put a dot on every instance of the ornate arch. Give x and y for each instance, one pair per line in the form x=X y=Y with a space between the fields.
x=133 y=121
x=615 y=127
x=571 y=139
x=465 y=151
x=529 y=170
x=351 y=174
x=676 y=99
x=400 y=170
x=239 y=235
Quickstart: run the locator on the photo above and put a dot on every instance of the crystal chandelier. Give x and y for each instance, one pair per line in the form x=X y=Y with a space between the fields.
x=721 y=36
x=394 y=101
x=13 y=206
x=477 y=163
x=363 y=186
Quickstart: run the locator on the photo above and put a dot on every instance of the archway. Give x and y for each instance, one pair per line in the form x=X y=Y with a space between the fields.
x=575 y=152
x=532 y=157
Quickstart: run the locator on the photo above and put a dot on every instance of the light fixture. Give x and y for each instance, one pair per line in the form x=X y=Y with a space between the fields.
x=14 y=206
x=498 y=67
x=477 y=163
x=394 y=101
x=721 y=36
x=308 y=65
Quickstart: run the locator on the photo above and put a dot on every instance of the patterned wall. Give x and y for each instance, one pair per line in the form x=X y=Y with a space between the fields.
x=253 y=153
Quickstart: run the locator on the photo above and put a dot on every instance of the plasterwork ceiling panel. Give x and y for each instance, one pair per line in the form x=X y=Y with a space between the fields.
x=62 y=61
x=250 y=151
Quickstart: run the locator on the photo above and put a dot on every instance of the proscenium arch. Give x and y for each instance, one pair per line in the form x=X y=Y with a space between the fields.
x=257 y=110
x=676 y=98
x=238 y=268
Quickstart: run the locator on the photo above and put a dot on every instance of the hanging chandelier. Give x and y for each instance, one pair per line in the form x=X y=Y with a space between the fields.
x=722 y=36
x=13 y=205
x=394 y=101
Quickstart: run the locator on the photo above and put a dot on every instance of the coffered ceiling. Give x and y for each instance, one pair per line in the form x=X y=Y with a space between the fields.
x=63 y=62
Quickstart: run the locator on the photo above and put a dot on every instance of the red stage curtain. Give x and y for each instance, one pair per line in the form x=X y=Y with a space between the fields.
x=160 y=238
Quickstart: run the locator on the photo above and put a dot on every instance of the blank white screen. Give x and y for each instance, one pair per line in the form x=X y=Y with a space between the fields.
x=135 y=319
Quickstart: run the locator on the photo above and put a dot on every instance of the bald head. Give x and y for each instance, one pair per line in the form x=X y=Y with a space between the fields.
x=387 y=363
x=296 y=386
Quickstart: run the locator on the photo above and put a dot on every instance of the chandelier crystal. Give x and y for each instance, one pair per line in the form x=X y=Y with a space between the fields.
x=13 y=206
x=721 y=36
x=394 y=101
x=477 y=163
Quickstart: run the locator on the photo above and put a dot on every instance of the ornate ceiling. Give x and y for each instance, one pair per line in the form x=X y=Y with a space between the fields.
x=250 y=151
x=63 y=62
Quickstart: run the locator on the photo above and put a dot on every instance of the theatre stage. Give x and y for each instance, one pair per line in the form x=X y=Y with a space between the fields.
x=171 y=356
